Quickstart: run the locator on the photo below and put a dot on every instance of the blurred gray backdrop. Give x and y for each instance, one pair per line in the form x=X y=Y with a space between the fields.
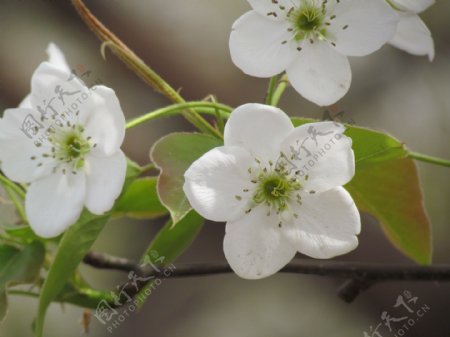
x=186 y=41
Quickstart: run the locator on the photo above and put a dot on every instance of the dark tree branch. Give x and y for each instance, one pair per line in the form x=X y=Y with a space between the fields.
x=359 y=277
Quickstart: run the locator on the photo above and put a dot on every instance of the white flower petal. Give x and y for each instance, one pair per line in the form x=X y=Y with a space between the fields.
x=413 y=36
x=57 y=58
x=320 y=74
x=415 y=6
x=17 y=147
x=321 y=155
x=54 y=203
x=327 y=225
x=362 y=26
x=106 y=121
x=259 y=129
x=254 y=245
x=56 y=94
x=275 y=11
x=215 y=182
x=105 y=179
x=26 y=102
x=257 y=45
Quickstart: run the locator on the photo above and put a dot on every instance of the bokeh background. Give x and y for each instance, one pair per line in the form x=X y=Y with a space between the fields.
x=186 y=41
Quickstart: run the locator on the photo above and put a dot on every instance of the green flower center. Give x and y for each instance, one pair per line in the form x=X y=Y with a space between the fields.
x=73 y=148
x=275 y=187
x=308 y=21
x=63 y=146
x=276 y=190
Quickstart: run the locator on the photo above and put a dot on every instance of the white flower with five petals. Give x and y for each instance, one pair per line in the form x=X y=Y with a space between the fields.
x=310 y=40
x=64 y=141
x=413 y=36
x=279 y=189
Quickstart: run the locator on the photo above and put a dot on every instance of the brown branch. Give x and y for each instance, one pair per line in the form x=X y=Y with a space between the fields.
x=359 y=277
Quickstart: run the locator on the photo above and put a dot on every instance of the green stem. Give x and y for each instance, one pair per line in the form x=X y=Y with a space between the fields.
x=271 y=89
x=147 y=168
x=17 y=203
x=219 y=116
x=136 y=64
x=394 y=6
x=16 y=195
x=202 y=107
x=23 y=293
x=6 y=182
x=10 y=240
x=429 y=159
x=282 y=85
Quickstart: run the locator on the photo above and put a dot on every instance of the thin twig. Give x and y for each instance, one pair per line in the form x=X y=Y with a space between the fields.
x=359 y=276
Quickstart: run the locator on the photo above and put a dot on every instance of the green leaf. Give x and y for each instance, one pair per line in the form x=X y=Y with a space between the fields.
x=74 y=245
x=18 y=267
x=22 y=233
x=140 y=200
x=391 y=192
x=172 y=241
x=83 y=297
x=133 y=171
x=173 y=154
x=386 y=185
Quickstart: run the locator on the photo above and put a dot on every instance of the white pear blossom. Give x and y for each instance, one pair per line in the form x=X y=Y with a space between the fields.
x=279 y=189
x=413 y=36
x=310 y=40
x=64 y=141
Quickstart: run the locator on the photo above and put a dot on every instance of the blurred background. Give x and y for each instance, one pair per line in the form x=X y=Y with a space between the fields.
x=187 y=43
